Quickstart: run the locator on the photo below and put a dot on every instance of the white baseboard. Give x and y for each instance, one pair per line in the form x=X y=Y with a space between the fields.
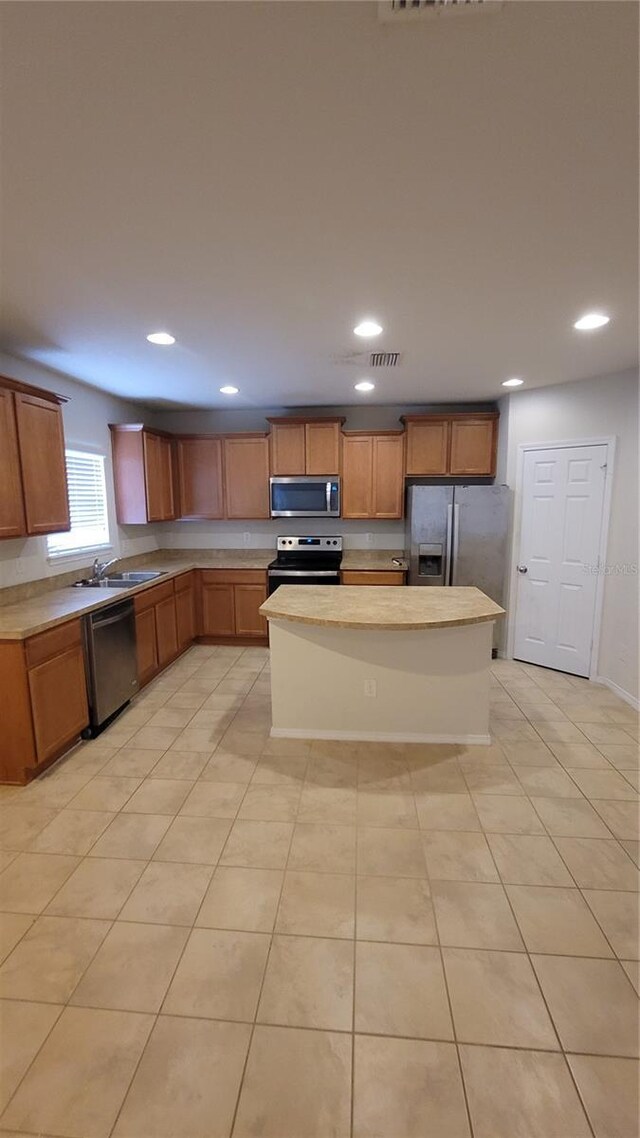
x=620 y=692
x=377 y=736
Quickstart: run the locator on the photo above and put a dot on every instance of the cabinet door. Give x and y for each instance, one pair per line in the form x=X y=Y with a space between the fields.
x=372 y=577
x=357 y=476
x=12 y=522
x=44 y=476
x=146 y=649
x=166 y=631
x=158 y=477
x=200 y=490
x=218 y=610
x=473 y=446
x=248 y=599
x=246 y=470
x=58 y=701
x=185 y=613
x=428 y=447
x=322 y=447
x=388 y=476
x=287 y=448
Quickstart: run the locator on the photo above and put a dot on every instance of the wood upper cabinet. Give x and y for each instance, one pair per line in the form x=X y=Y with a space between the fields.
x=455 y=444
x=199 y=474
x=12 y=519
x=305 y=446
x=142 y=474
x=42 y=462
x=246 y=466
x=158 y=469
x=372 y=475
x=473 y=446
x=427 y=445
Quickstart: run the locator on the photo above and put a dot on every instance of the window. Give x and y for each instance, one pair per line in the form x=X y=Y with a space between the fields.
x=87 y=506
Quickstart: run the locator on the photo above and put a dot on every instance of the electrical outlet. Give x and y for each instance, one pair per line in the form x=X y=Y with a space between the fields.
x=371 y=688
x=246 y=538
x=369 y=538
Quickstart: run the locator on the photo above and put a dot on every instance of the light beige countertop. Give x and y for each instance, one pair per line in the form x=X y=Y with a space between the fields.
x=373 y=559
x=40 y=605
x=382 y=608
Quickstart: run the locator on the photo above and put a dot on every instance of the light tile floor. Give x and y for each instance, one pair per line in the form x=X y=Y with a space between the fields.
x=206 y=932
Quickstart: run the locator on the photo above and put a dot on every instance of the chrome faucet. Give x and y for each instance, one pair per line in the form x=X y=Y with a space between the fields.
x=100 y=568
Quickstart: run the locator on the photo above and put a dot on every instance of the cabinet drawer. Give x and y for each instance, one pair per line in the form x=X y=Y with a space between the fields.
x=153 y=596
x=373 y=577
x=233 y=576
x=47 y=644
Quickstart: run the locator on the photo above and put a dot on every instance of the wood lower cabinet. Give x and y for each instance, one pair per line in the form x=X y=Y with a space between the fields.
x=146 y=648
x=185 y=592
x=373 y=475
x=229 y=603
x=12 y=519
x=58 y=702
x=42 y=463
x=246 y=465
x=43 y=700
x=372 y=577
x=200 y=480
x=156 y=629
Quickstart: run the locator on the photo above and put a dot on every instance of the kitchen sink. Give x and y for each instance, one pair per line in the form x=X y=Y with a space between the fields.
x=136 y=577
x=106 y=583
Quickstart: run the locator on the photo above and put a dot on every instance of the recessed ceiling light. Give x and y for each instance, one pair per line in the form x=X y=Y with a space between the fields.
x=512 y=382
x=591 y=320
x=164 y=338
x=229 y=389
x=365 y=385
x=368 y=328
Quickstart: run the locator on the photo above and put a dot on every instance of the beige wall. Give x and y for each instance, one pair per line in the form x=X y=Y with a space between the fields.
x=595 y=408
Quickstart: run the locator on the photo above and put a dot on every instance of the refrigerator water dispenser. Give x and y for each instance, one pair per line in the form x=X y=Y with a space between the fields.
x=431 y=561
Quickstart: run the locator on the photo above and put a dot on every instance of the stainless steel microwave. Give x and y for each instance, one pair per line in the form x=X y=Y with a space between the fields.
x=305 y=496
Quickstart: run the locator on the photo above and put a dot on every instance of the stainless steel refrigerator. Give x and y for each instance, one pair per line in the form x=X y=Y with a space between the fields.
x=457 y=535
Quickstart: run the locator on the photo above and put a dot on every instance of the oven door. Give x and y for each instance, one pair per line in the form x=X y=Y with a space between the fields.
x=305 y=497
x=277 y=577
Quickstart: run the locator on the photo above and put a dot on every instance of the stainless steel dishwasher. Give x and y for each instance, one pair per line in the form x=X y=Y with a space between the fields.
x=110 y=653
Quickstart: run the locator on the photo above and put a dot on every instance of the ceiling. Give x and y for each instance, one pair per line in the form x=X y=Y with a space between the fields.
x=256 y=177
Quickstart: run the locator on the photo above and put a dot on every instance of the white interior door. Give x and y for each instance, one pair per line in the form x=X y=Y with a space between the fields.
x=562 y=507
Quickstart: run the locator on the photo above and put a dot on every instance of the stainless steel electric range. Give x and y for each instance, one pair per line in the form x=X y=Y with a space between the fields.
x=306 y=561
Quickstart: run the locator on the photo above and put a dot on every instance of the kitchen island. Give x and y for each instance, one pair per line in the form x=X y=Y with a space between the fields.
x=381 y=664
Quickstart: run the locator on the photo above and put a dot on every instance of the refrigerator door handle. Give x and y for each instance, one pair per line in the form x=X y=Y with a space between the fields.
x=448 y=546
x=455 y=543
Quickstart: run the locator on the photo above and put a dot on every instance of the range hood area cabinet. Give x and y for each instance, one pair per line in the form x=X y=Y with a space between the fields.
x=33 y=478
x=372 y=474
x=304 y=446
x=142 y=474
x=455 y=445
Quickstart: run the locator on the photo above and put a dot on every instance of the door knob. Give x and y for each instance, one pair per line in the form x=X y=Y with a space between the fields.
x=522 y=569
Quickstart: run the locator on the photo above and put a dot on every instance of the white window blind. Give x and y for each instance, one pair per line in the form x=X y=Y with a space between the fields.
x=87 y=506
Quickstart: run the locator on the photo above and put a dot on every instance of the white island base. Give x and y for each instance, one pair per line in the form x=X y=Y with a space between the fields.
x=408 y=686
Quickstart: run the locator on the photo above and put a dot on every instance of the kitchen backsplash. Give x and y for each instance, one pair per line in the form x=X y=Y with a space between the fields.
x=261 y=535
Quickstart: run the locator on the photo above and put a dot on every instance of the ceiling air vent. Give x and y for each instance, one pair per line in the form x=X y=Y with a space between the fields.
x=396 y=11
x=384 y=359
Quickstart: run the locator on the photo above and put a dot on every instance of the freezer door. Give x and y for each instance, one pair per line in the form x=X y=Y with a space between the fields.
x=429 y=534
x=480 y=527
